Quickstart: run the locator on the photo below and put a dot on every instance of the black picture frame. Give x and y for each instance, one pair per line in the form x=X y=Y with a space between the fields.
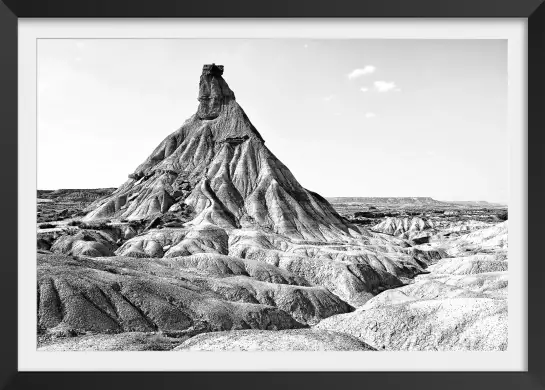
x=532 y=10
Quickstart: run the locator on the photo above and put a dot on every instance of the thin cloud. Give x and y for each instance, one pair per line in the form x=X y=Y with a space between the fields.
x=370 y=115
x=386 y=86
x=364 y=89
x=329 y=98
x=305 y=45
x=361 y=72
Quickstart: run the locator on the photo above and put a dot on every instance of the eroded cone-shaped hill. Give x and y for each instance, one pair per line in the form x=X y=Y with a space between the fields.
x=245 y=204
x=218 y=165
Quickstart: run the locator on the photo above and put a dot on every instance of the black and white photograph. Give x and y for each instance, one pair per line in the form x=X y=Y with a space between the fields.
x=272 y=195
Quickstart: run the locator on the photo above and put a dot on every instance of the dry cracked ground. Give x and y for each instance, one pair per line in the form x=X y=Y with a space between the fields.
x=212 y=244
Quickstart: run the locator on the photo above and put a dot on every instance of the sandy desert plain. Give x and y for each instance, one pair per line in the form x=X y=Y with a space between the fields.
x=212 y=244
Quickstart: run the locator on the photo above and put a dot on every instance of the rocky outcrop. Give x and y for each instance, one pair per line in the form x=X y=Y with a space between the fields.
x=217 y=164
x=214 y=93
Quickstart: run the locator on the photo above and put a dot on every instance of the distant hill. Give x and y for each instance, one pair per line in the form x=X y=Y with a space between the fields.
x=478 y=203
x=75 y=195
x=54 y=205
x=404 y=201
x=387 y=200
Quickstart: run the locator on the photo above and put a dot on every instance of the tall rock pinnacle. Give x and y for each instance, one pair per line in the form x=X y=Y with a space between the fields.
x=214 y=92
x=218 y=166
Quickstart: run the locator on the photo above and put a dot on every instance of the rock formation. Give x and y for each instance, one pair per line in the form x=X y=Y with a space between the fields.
x=212 y=233
x=214 y=93
x=218 y=165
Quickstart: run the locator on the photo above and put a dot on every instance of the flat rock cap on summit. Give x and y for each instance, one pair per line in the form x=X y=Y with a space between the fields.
x=212 y=69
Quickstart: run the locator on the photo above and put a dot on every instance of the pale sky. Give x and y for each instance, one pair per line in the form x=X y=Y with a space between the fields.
x=348 y=117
